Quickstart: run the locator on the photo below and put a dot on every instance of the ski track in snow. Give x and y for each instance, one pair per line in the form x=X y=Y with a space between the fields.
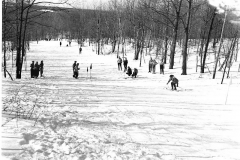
x=109 y=117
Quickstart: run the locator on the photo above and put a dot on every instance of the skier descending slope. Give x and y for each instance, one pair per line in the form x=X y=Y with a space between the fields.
x=174 y=82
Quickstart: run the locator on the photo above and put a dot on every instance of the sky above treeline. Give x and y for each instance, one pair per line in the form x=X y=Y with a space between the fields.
x=91 y=4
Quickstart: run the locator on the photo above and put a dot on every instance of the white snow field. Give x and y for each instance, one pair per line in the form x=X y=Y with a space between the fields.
x=111 y=117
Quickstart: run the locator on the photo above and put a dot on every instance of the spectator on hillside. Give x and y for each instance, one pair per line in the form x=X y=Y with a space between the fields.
x=125 y=63
x=154 y=63
x=76 y=68
x=162 y=67
x=135 y=72
x=73 y=66
x=150 y=65
x=41 y=68
x=129 y=71
x=174 y=82
x=119 y=61
x=32 y=69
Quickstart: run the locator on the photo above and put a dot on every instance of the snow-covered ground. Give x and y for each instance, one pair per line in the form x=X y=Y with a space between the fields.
x=109 y=116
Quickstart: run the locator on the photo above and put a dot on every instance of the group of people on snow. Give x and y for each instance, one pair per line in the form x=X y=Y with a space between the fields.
x=152 y=66
x=36 y=68
x=127 y=68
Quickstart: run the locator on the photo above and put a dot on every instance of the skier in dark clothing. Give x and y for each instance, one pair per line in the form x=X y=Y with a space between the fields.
x=154 y=63
x=73 y=66
x=60 y=44
x=41 y=68
x=32 y=69
x=150 y=65
x=162 y=67
x=80 y=50
x=129 y=71
x=119 y=61
x=174 y=82
x=135 y=72
x=125 y=63
x=36 y=70
x=76 y=68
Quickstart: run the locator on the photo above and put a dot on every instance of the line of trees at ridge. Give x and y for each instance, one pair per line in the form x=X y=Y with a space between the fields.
x=163 y=24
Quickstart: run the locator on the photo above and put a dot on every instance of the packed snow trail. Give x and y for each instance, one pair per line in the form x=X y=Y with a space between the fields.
x=108 y=116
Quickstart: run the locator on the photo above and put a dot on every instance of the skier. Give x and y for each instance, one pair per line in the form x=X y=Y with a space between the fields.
x=73 y=66
x=41 y=68
x=162 y=67
x=119 y=61
x=76 y=68
x=129 y=71
x=135 y=72
x=60 y=44
x=32 y=69
x=154 y=63
x=125 y=63
x=150 y=65
x=174 y=82
x=80 y=50
x=36 y=70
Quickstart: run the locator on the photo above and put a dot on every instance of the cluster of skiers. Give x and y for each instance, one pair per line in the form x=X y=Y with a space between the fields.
x=69 y=43
x=152 y=66
x=127 y=68
x=36 y=68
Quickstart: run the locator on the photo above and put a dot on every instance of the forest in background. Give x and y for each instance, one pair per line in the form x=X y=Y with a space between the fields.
x=146 y=24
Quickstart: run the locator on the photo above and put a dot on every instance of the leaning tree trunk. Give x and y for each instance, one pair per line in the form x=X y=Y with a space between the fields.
x=207 y=43
x=173 y=46
x=228 y=58
x=231 y=57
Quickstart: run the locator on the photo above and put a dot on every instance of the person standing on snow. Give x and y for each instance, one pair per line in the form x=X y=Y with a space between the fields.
x=150 y=65
x=80 y=50
x=73 y=66
x=129 y=71
x=76 y=68
x=125 y=63
x=174 y=82
x=154 y=63
x=32 y=69
x=119 y=61
x=36 y=70
x=162 y=67
x=135 y=72
x=60 y=44
x=41 y=68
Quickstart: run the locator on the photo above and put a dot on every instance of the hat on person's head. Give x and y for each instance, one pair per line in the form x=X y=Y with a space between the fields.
x=171 y=75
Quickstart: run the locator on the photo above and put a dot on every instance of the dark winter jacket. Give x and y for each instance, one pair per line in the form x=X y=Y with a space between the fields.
x=129 y=71
x=173 y=79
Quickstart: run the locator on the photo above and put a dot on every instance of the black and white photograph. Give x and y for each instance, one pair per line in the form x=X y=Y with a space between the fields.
x=120 y=80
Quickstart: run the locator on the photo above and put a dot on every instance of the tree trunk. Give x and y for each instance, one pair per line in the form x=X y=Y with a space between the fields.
x=4 y=38
x=207 y=43
x=175 y=34
x=185 y=46
x=220 y=45
x=19 y=46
